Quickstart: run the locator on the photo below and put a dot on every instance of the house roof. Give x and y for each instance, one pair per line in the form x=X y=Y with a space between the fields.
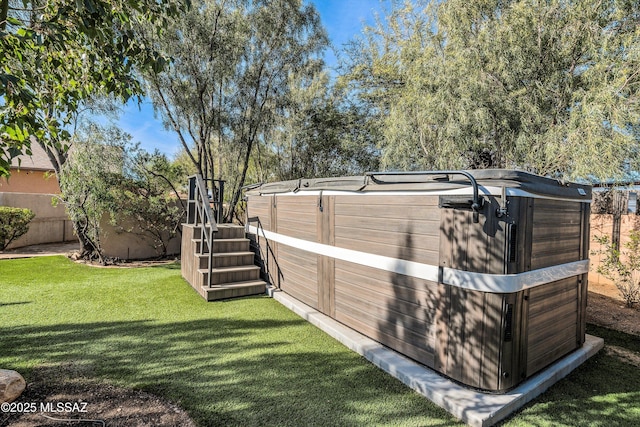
x=38 y=160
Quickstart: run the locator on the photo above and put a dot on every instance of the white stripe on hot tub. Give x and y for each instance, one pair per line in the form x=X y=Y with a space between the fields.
x=400 y=266
x=508 y=283
x=486 y=191
x=495 y=283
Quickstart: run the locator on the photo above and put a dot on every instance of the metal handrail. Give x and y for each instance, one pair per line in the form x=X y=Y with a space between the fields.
x=269 y=250
x=476 y=203
x=199 y=212
x=217 y=188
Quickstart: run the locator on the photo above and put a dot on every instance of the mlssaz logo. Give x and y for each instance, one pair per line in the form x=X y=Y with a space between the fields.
x=66 y=407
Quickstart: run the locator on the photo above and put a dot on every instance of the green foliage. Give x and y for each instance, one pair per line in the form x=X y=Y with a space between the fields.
x=316 y=134
x=107 y=175
x=550 y=87
x=229 y=79
x=622 y=266
x=94 y=166
x=55 y=55
x=14 y=222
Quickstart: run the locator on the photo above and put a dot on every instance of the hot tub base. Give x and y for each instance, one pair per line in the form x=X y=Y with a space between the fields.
x=473 y=407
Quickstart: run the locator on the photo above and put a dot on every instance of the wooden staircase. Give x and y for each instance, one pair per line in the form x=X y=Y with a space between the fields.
x=233 y=272
x=224 y=270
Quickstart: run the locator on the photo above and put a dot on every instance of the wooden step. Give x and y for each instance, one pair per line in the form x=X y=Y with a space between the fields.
x=230 y=231
x=229 y=274
x=225 y=245
x=233 y=290
x=226 y=259
x=225 y=231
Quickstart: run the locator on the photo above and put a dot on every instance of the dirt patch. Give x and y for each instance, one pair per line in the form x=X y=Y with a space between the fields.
x=60 y=401
x=606 y=308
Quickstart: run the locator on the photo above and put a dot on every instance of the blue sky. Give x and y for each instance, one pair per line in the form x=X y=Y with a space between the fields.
x=343 y=20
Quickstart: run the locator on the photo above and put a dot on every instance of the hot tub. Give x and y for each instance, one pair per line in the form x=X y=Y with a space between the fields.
x=479 y=275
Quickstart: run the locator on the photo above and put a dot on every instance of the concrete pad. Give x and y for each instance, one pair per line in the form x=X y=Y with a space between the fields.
x=471 y=406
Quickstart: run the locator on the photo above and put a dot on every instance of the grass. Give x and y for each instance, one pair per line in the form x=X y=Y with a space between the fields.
x=248 y=361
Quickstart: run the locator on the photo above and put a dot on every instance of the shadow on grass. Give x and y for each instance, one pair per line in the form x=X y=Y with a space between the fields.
x=222 y=373
x=5 y=304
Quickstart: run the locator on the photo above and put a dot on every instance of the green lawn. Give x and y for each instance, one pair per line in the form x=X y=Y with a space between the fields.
x=248 y=361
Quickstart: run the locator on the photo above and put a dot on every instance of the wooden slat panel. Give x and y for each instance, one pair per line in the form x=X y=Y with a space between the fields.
x=572 y=231
x=417 y=317
x=549 y=325
x=391 y=308
x=422 y=227
x=299 y=257
x=300 y=295
x=299 y=286
x=552 y=322
x=474 y=338
x=296 y=217
x=550 y=259
x=260 y=207
x=554 y=219
x=423 y=356
x=469 y=336
x=303 y=201
x=410 y=211
x=556 y=233
x=557 y=205
x=561 y=244
x=297 y=229
x=546 y=352
x=543 y=298
x=297 y=221
x=416 y=291
x=307 y=272
x=387 y=237
x=302 y=213
x=407 y=328
x=441 y=353
x=401 y=325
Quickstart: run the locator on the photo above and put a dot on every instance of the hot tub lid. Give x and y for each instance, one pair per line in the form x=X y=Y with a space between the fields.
x=433 y=181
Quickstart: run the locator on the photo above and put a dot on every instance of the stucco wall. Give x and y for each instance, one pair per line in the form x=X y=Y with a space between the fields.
x=30 y=181
x=132 y=245
x=50 y=224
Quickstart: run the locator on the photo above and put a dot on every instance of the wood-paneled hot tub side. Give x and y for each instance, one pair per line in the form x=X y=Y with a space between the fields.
x=486 y=297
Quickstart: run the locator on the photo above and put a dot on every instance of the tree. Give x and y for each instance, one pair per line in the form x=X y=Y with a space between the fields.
x=316 y=133
x=106 y=175
x=147 y=203
x=57 y=54
x=86 y=179
x=550 y=87
x=232 y=60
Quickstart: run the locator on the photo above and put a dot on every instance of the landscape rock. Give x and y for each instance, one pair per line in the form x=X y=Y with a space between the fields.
x=11 y=385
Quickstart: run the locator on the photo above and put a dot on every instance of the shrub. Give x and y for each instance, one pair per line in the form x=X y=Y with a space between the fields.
x=622 y=266
x=14 y=222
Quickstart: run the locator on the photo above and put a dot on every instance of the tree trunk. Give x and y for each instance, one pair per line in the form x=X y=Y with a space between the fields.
x=88 y=248
x=238 y=190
